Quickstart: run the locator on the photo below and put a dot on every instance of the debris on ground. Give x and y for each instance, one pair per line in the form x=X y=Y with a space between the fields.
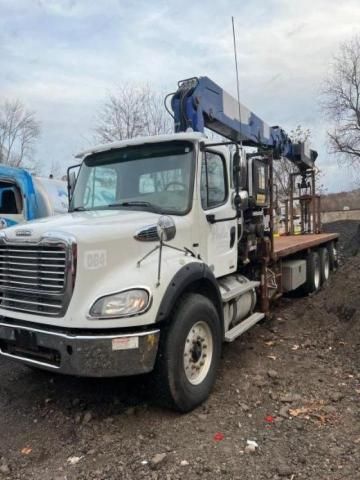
x=251 y=446
x=74 y=460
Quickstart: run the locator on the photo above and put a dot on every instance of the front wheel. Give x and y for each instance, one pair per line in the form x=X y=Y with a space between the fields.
x=189 y=355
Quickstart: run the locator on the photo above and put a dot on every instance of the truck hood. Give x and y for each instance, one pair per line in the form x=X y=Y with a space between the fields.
x=107 y=257
x=99 y=225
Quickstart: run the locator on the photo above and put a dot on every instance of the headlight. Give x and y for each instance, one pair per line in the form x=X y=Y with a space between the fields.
x=129 y=302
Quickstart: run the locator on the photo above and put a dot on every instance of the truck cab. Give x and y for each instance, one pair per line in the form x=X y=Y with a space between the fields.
x=170 y=175
x=88 y=282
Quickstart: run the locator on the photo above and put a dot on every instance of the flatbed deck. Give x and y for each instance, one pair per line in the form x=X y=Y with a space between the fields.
x=290 y=244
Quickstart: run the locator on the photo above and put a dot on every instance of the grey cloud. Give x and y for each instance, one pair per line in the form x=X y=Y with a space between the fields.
x=88 y=47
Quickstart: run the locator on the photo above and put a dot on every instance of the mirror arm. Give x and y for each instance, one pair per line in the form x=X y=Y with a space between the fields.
x=69 y=181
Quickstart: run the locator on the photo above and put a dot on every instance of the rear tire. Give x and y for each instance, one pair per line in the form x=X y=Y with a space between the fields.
x=324 y=264
x=333 y=256
x=189 y=354
x=313 y=272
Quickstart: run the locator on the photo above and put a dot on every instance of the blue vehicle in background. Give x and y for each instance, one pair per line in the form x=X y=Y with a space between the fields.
x=25 y=197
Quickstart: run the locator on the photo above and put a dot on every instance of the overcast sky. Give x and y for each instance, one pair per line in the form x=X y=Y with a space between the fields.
x=61 y=57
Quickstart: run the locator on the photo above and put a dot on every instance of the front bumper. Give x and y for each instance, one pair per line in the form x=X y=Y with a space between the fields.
x=86 y=355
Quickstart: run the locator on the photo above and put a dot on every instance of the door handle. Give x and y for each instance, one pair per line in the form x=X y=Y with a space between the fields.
x=232 y=236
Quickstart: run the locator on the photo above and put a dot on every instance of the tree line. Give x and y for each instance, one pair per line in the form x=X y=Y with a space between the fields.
x=19 y=131
x=138 y=110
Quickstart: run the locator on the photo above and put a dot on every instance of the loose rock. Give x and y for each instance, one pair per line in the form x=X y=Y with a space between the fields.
x=283 y=412
x=87 y=417
x=284 y=470
x=158 y=458
x=5 y=469
x=290 y=398
x=202 y=416
x=336 y=396
x=273 y=374
x=259 y=381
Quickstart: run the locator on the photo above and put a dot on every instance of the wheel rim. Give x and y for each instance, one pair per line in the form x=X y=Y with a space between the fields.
x=326 y=268
x=335 y=254
x=198 y=352
x=317 y=276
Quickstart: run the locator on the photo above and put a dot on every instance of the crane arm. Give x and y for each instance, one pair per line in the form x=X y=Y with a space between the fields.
x=200 y=102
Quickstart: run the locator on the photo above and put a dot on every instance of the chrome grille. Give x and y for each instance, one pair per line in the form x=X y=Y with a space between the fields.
x=33 y=278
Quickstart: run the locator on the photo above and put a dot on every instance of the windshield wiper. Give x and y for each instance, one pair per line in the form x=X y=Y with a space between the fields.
x=132 y=204
x=137 y=203
x=79 y=209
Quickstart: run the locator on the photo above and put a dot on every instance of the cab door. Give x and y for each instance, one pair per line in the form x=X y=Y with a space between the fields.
x=217 y=213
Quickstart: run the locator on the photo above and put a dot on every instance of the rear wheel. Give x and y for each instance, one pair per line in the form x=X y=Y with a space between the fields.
x=189 y=354
x=324 y=264
x=333 y=256
x=313 y=272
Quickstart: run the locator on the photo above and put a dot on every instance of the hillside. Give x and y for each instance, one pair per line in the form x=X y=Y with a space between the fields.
x=337 y=201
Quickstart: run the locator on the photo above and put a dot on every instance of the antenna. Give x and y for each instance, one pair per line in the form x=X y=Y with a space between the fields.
x=237 y=77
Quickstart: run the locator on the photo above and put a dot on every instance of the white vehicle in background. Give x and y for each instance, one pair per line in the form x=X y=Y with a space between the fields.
x=24 y=197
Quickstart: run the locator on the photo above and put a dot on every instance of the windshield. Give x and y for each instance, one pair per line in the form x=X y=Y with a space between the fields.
x=155 y=177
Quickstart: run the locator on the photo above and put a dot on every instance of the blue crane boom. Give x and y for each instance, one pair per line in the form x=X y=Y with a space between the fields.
x=200 y=102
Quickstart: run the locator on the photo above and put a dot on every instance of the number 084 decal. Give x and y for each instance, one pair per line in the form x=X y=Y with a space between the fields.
x=95 y=259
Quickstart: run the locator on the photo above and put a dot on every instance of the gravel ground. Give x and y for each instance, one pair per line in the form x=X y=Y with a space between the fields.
x=291 y=385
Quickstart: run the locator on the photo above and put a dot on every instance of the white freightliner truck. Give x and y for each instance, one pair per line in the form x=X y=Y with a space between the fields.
x=167 y=251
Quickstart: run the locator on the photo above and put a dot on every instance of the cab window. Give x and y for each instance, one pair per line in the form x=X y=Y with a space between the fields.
x=10 y=198
x=213 y=181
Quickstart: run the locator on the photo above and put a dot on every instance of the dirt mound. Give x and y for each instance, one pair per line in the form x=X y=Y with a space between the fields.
x=349 y=230
x=338 y=305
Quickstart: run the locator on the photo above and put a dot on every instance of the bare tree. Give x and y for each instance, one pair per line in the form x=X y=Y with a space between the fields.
x=156 y=120
x=283 y=167
x=19 y=131
x=341 y=102
x=131 y=111
x=56 y=169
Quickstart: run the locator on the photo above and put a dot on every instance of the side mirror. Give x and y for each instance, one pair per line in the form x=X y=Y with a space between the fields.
x=71 y=180
x=166 y=228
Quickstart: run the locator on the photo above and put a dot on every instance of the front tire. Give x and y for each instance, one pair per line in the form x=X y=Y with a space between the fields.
x=189 y=354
